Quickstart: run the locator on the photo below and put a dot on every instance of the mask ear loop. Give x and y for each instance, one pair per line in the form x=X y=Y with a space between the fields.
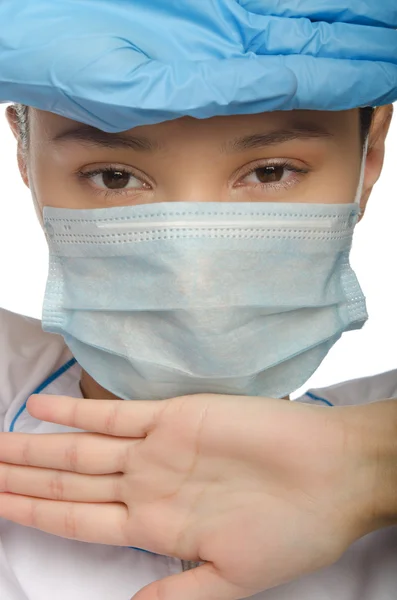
x=360 y=188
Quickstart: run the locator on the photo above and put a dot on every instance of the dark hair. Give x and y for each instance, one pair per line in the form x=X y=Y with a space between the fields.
x=22 y=112
x=366 y=118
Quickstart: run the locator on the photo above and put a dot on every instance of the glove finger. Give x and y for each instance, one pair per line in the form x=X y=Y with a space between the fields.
x=277 y=35
x=360 y=12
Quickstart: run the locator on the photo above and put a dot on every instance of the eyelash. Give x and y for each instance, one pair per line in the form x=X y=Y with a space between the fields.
x=283 y=164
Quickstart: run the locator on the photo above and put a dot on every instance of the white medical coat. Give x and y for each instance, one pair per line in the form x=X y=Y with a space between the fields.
x=38 y=566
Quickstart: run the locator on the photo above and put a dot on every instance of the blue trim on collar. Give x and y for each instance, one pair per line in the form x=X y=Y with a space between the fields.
x=318 y=398
x=42 y=387
x=141 y=550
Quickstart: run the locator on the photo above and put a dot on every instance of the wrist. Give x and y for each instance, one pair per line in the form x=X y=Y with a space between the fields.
x=374 y=432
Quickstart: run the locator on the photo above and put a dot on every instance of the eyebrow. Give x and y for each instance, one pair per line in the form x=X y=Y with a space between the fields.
x=280 y=136
x=95 y=137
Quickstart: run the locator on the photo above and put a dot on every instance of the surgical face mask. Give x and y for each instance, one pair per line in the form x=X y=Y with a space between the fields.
x=164 y=300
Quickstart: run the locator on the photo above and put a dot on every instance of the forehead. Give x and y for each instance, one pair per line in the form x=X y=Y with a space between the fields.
x=340 y=124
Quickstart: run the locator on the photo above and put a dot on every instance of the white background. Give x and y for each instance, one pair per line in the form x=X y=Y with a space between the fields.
x=366 y=352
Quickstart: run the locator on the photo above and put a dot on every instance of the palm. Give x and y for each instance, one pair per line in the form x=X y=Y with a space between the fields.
x=196 y=483
x=234 y=482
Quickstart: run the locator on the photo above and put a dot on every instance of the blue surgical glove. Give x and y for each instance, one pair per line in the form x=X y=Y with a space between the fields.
x=117 y=64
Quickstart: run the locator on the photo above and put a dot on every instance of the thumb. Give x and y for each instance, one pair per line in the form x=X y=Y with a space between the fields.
x=202 y=583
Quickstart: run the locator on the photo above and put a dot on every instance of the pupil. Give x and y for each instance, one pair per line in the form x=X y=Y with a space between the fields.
x=270 y=174
x=116 y=180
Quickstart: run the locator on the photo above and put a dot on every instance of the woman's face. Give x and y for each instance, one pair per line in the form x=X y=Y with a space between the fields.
x=305 y=157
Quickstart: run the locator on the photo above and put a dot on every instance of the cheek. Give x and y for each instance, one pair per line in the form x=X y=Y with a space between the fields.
x=51 y=183
x=338 y=182
x=32 y=180
x=36 y=203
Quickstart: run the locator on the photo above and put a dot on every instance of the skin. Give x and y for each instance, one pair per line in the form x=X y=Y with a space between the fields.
x=185 y=149
x=189 y=476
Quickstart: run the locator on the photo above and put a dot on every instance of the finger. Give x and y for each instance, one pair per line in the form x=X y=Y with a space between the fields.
x=203 y=583
x=318 y=39
x=321 y=11
x=93 y=523
x=88 y=453
x=111 y=417
x=60 y=485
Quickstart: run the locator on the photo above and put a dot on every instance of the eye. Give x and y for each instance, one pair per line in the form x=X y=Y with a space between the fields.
x=271 y=177
x=269 y=174
x=114 y=179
